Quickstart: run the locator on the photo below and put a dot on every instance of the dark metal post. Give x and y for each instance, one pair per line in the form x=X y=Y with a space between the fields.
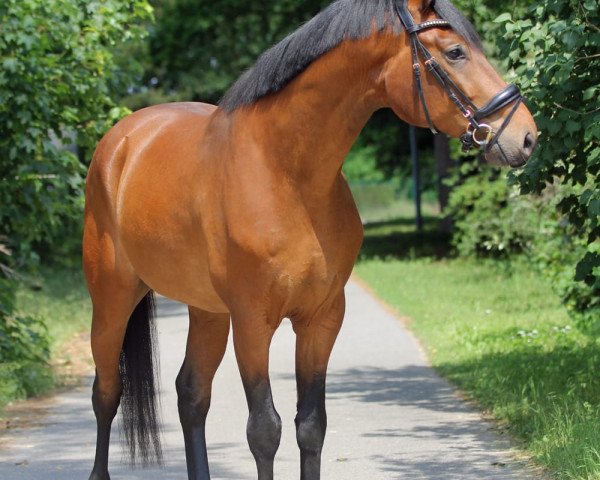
x=444 y=164
x=416 y=175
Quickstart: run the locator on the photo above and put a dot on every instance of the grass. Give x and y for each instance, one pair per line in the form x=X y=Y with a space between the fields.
x=498 y=332
x=59 y=298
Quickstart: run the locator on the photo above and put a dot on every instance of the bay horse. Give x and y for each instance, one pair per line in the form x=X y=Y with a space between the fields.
x=241 y=212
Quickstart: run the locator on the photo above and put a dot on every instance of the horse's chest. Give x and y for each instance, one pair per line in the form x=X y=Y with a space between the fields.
x=295 y=267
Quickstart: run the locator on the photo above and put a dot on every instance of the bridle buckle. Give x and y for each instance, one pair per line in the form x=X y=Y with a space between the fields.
x=482 y=134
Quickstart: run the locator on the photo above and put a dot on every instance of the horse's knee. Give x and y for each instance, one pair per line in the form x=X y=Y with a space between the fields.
x=264 y=423
x=264 y=432
x=311 y=420
x=310 y=429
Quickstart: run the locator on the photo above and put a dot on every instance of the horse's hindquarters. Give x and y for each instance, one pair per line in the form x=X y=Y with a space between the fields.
x=142 y=190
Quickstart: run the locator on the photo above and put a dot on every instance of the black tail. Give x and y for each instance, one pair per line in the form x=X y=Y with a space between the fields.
x=138 y=400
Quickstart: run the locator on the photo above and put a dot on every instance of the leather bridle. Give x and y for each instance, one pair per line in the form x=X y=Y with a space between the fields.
x=478 y=134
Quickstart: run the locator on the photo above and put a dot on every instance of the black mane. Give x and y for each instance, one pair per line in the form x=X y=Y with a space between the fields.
x=342 y=20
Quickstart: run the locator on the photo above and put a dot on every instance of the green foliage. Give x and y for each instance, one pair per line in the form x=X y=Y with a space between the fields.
x=24 y=338
x=361 y=164
x=491 y=219
x=488 y=220
x=24 y=356
x=24 y=343
x=61 y=65
x=56 y=81
x=555 y=53
x=61 y=298
x=552 y=50
x=199 y=48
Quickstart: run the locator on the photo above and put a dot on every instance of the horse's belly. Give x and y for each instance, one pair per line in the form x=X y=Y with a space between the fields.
x=176 y=273
x=167 y=249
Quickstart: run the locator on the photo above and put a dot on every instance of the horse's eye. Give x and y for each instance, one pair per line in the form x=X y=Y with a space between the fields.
x=455 y=53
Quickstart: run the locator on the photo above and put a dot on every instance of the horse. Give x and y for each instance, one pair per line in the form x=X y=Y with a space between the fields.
x=241 y=211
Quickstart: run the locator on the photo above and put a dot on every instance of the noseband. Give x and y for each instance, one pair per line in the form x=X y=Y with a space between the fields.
x=478 y=134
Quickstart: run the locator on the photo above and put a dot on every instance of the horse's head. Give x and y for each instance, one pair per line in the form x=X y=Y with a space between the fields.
x=458 y=91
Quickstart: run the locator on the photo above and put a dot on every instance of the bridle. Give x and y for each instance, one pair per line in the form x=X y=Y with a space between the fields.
x=477 y=134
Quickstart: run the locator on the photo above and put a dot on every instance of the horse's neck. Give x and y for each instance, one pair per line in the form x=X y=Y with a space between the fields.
x=308 y=128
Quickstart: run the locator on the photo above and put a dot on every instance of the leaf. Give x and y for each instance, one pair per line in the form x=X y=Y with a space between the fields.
x=505 y=17
x=586 y=266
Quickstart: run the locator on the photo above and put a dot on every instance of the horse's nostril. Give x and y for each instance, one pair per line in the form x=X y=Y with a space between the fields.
x=528 y=144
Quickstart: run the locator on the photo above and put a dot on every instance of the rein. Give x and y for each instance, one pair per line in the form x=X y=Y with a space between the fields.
x=478 y=134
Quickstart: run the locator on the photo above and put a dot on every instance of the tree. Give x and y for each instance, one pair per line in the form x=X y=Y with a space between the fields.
x=58 y=77
x=552 y=50
x=199 y=48
x=555 y=52
x=56 y=84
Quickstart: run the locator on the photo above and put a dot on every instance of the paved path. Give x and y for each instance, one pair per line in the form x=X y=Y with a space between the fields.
x=390 y=415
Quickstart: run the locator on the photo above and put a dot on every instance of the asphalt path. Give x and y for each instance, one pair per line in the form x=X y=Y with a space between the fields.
x=390 y=415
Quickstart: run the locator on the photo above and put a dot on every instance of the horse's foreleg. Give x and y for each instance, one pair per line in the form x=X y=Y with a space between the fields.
x=314 y=343
x=252 y=341
x=207 y=340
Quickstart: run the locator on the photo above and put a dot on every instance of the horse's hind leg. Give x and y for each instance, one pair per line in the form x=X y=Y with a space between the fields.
x=207 y=340
x=314 y=342
x=111 y=311
x=115 y=291
x=113 y=303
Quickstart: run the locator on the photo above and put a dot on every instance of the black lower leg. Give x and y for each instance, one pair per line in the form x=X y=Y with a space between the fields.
x=193 y=402
x=105 y=408
x=263 y=429
x=311 y=424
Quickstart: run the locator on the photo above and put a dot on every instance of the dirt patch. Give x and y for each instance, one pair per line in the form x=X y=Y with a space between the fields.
x=73 y=360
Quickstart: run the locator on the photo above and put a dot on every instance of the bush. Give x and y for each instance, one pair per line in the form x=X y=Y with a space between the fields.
x=24 y=356
x=491 y=219
x=59 y=75
x=24 y=343
x=484 y=224
x=57 y=81
x=550 y=48
x=361 y=164
x=554 y=54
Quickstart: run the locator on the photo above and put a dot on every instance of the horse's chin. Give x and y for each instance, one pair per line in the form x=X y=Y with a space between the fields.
x=503 y=156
